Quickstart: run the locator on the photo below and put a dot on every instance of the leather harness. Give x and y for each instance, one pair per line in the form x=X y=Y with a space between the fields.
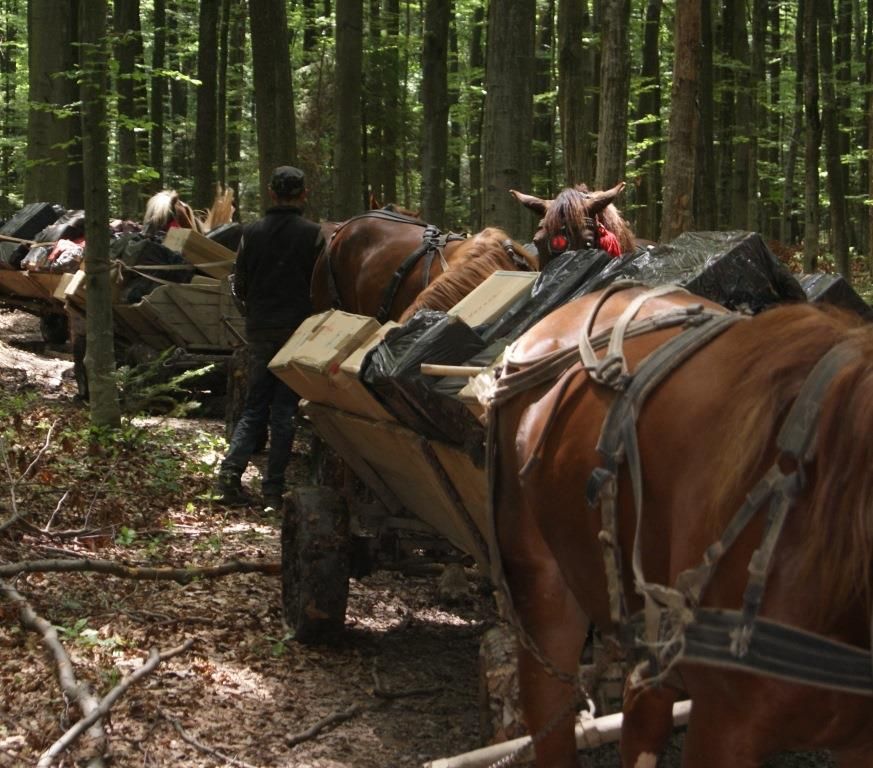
x=433 y=243
x=673 y=625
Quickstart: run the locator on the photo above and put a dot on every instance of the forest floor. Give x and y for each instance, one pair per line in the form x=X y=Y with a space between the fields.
x=401 y=686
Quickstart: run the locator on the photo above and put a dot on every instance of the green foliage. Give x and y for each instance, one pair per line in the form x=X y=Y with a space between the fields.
x=125 y=537
x=148 y=388
x=81 y=634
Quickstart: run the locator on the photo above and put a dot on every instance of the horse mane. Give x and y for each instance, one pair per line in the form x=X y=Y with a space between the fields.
x=474 y=261
x=166 y=205
x=570 y=209
x=837 y=532
x=159 y=210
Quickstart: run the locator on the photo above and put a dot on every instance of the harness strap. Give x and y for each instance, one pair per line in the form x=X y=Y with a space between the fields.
x=779 y=651
x=618 y=442
x=612 y=369
x=431 y=242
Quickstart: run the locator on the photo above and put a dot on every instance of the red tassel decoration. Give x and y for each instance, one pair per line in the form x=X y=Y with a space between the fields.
x=608 y=241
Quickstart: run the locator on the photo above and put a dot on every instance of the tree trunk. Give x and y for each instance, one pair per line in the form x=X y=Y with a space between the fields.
x=614 y=94
x=207 y=103
x=274 y=95
x=184 y=61
x=372 y=111
x=475 y=111
x=435 y=106
x=833 y=162
x=868 y=81
x=158 y=95
x=571 y=88
x=789 y=233
x=391 y=128
x=236 y=94
x=813 y=137
x=51 y=57
x=221 y=91
x=100 y=354
x=10 y=126
x=348 y=171
x=740 y=181
x=508 y=123
x=682 y=137
x=726 y=123
x=756 y=192
x=128 y=55
x=649 y=127
x=544 y=145
x=705 y=187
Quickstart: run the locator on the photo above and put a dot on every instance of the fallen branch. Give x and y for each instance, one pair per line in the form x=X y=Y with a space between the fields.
x=180 y=575
x=71 y=687
x=155 y=657
x=202 y=747
x=337 y=717
x=590 y=732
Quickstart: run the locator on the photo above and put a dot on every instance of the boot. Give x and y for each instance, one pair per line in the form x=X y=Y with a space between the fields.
x=230 y=493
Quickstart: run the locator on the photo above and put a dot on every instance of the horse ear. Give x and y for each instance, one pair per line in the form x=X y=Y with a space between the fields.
x=600 y=200
x=374 y=203
x=536 y=204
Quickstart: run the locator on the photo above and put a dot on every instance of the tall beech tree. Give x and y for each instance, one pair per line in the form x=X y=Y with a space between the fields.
x=508 y=121
x=435 y=104
x=206 y=133
x=54 y=163
x=100 y=354
x=682 y=136
x=131 y=102
x=614 y=93
x=348 y=171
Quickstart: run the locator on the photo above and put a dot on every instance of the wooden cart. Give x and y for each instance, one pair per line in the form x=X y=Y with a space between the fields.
x=418 y=489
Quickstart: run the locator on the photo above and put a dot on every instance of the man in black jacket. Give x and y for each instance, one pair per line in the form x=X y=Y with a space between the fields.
x=271 y=279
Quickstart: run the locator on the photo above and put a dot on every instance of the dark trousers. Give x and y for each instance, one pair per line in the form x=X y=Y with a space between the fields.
x=268 y=401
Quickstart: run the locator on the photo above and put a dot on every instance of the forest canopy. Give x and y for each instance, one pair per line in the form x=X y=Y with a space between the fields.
x=744 y=114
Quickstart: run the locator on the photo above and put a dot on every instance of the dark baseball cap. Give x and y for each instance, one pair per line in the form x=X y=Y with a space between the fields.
x=287 y=181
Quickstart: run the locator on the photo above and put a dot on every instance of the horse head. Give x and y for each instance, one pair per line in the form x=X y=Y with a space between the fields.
x=375 y=205
x=579 y=218
x=166 y=208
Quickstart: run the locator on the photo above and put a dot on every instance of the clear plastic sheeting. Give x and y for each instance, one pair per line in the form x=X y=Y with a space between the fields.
x=833 y=289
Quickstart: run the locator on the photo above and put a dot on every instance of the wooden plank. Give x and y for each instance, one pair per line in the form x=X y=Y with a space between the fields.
x=199 y=303
x=15 y=282
x=136 y=325
x=405 y=463
x=205 y=254
x=470 y=480
x=173 y=319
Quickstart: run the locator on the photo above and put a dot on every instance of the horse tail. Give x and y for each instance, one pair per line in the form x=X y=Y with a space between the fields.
x=841 y=503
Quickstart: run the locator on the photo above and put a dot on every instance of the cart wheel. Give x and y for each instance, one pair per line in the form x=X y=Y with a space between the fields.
x=54 y=328
x=315 y=563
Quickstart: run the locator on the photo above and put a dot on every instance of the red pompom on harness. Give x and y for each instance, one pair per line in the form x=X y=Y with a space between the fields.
x=608 y=241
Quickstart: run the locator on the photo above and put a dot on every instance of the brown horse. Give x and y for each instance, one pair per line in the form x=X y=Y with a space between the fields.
x=588 y=521
x=475 y=260
x=377 y=263
x=578 y=218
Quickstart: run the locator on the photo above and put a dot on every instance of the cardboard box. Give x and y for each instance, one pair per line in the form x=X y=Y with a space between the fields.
x=492 y=298
x=311 y=357
x=205 y=254
x=353 y=396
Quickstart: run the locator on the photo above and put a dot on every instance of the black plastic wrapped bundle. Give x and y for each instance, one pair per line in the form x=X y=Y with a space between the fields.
x=833 y=289
x=735 y=269
x=392 y=371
